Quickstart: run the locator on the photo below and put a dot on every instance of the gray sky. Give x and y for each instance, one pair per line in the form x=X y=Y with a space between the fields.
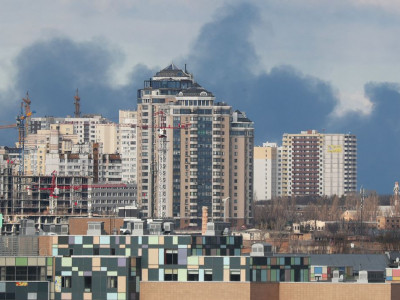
x=291 y=65
x=346 y=43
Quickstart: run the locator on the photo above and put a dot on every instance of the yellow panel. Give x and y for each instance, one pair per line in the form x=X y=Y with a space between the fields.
x=96 y=262
x=161 y=240
x=242 y=261
x=226 y=275
x=121 y=284
x=201 y=260
x=335 y=149
x=87 y=296
x=145 y=274
x=96 y=240
x=153 y=256
x=243 y=275
x=193 y=267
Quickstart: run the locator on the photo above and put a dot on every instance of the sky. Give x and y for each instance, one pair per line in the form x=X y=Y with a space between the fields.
x=290 y=65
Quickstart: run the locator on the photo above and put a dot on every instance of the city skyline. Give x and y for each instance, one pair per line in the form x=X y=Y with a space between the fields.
x=290 y=67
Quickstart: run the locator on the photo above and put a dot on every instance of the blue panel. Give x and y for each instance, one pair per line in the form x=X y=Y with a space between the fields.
x=297 y=261
x=104 y=240
x=140 y=240
x=226 y=261
x=78 y=239
x=389 y=278
x=317 y=270
x=161 y=256
x=55 y=252
x=112 y=296
x=66 y=273
x=160 y=274
x=264 y=275
x=201 y=275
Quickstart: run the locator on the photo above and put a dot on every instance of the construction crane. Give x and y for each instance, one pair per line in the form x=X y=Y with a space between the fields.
x=161 y=169
x=28 y=113
x=21 y=123
x=77 y=104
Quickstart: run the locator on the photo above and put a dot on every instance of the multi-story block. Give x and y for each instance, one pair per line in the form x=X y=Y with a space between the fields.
x=127 y=144
x=185 y=141
x=309 y=163
x=266 y=171
x=302 y=163
x=241 y=169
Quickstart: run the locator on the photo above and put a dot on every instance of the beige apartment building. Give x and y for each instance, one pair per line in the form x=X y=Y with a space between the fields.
x=192 y=152
x=266 y=174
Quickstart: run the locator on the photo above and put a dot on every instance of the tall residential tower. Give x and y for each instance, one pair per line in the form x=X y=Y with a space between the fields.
x=192 y=152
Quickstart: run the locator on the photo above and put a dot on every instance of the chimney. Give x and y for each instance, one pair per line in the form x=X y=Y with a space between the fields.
x=204 y=220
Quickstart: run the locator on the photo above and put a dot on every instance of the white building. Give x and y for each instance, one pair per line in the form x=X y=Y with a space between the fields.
x=127 y=144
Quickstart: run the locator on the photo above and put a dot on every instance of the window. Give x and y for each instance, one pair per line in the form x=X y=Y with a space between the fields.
x=208 y=275
x=10 y=273
x=193 y=275
x=171 y=257
x=66 y=281
x=88 y=283
x=170 y=275
x=96 y=251
x=112 y=282
x=235 y=275
x=21 y=273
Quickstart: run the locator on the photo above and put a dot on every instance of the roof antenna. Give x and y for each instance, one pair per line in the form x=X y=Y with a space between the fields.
x=185 y=69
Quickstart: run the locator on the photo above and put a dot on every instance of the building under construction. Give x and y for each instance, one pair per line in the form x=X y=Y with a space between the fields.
x=44 y=199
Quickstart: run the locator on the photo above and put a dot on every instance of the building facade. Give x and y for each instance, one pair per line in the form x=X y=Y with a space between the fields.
x=188 y=143
x=308 y=164
x=266 y=175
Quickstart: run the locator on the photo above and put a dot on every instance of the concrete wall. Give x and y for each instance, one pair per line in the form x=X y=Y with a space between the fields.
x=194 y=290
x=270 y=291
x=332 y=291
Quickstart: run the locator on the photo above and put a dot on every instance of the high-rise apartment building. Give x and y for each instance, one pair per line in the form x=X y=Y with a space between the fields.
x=266 y=175
x=127 y=144
x=192 y=152
x=308 y=164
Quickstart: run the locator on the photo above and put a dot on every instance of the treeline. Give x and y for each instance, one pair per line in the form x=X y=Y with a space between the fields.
x=280 y=212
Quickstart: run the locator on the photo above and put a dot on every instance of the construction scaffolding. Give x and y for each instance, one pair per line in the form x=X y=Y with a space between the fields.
x=45 y=199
